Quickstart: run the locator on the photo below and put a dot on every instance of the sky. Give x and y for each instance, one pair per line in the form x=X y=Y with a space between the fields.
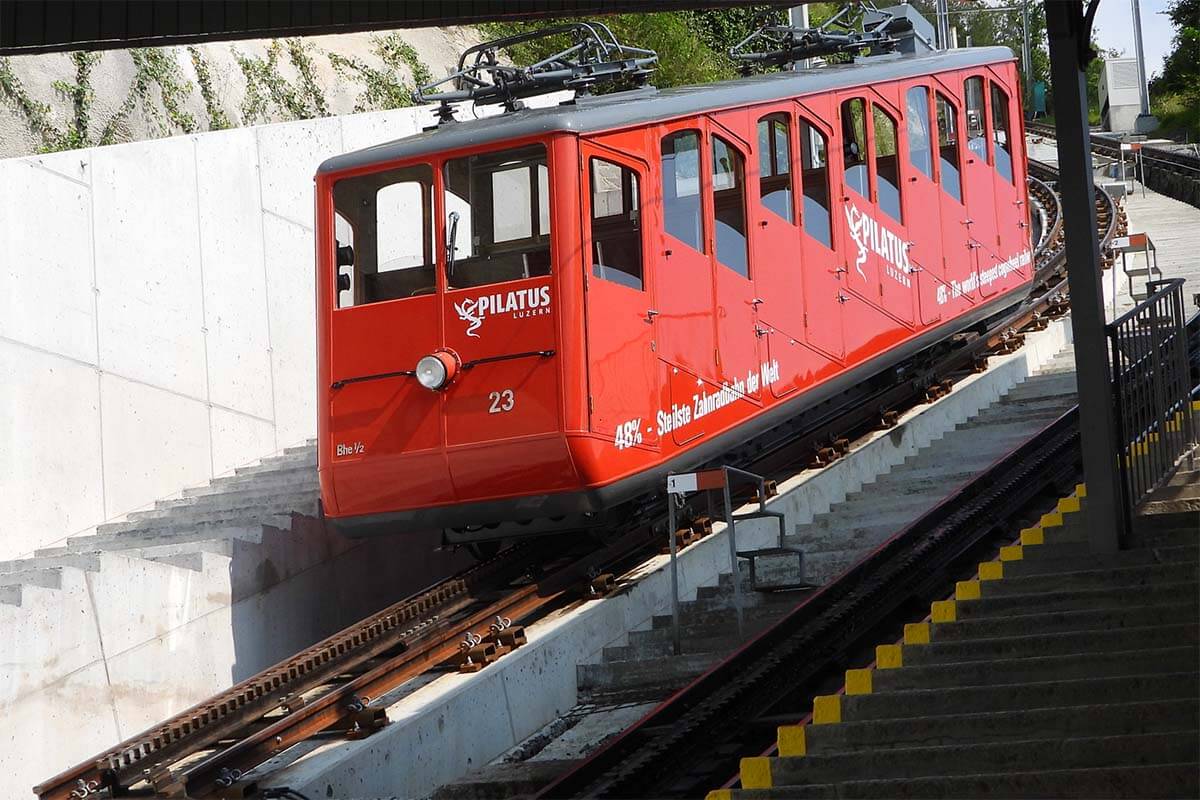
x=1114 y=30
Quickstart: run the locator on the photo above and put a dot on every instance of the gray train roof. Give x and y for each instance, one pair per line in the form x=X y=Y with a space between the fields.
x=606 y=112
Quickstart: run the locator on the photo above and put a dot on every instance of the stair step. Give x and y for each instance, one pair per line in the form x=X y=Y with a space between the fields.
x=1112 y=719
x=1066 y=621
x=1069 y=600
x=995 y=757
x=1096 y=783
x=1081 y=579
x=941 y=701
x=668 y=672
x=1054 y=644
x=1038 y=668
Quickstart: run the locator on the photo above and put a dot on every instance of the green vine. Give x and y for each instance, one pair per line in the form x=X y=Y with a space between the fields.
x=81 y=94
x=217 y=119
x=152 y=67
x=384 y=88
x=36 y=114
x=265 y=87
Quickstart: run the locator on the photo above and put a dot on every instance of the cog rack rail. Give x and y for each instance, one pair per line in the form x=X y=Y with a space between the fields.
x=594 y=56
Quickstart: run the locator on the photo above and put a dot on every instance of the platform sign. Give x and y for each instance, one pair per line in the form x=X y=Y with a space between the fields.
x=695 y=481
x=1131 y=147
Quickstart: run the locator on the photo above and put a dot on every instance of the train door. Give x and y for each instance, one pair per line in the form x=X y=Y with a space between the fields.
x=957 y=261
x=622 y=367
x=824 y=271
x=1012 y=213
x=980 y=183
x=686 y=334
x=859 y=298
x=775 y=224
x=922 y=204
x=737 y=345
x=888 y=235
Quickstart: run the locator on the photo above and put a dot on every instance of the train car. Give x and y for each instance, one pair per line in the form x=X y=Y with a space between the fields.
x=528 y=320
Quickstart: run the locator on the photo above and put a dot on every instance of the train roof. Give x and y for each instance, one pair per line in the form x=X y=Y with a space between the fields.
x=605 y=112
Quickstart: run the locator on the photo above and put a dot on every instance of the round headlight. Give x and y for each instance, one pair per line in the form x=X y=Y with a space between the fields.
x=431 y=372
x=436 y=370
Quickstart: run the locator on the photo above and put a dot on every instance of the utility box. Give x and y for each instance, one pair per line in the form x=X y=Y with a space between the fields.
x=1120 y=95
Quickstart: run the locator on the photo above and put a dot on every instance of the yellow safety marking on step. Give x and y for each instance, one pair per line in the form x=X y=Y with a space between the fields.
x=991 y=570
x=719 y=794
x=1051 y=520
x=791 y=740
x=943 y=611
x=889 y=656
x=827 y=709
x=966 y=590
x=1033 y=536
x=1196 y=405
x=1081 y=490
x=914 y=633
x=858 y=681
x=1012 y=552
x=1068 y=505
x=756 y=772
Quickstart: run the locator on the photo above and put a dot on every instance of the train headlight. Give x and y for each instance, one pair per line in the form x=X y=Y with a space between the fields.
x=435 y=371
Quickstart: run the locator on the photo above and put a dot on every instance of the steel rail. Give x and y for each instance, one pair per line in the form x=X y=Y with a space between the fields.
x=422 y=631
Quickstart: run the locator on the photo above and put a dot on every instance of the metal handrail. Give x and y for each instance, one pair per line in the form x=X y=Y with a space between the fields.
x=1152 y=391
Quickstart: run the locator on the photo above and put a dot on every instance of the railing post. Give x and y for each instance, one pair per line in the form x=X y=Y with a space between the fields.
x=1069 y=31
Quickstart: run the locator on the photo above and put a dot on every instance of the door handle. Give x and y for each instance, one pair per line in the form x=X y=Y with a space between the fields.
x=651 y=314
x=762 y=223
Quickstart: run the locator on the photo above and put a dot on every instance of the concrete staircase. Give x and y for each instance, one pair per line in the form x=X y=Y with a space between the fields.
x=835 y=540
x=115 y=631
x=1057 y=673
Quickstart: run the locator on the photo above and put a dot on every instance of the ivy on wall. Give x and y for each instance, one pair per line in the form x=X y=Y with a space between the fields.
x=160 y=90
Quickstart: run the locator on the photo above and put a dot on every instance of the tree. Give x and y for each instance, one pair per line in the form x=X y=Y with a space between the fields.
x=1175 y=93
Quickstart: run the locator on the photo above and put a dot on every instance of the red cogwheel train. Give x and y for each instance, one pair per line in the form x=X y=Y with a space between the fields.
x=525 y=321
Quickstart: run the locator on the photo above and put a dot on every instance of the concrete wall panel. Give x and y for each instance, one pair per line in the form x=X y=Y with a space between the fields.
x=290 y=285
x=50 y=468
x=288 y=157
x=238 y=439
x=46 y=297
x=365 y=130
x=154 y=443
x=235 y=292
x=148 y=264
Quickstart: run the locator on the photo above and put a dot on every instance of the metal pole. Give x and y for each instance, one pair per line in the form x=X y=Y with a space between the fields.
x=1026 y=55
x=1143 y=87
x=674 y=576
x=733 y=558
x=1068 y=36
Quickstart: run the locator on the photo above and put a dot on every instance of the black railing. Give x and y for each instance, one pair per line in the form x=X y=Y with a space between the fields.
x=1152 y=390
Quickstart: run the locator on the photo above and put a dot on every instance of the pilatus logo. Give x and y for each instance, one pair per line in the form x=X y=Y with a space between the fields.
x=857 y=222
x=869 y=235
x=519 y=303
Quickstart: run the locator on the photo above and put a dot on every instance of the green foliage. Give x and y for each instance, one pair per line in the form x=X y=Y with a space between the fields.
x=384 y=88
x=80 y=94
x=217 y=119
x=1176 y=92
x=36 y=114
x=684 y=57
x=266 y=88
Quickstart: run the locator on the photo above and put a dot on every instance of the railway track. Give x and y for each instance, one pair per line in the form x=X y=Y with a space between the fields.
x=333 y=688
x=1173 y=173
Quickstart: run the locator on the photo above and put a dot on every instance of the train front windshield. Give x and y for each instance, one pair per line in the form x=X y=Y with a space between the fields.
x=495 y=228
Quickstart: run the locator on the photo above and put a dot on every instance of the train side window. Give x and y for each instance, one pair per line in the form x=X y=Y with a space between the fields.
x=1001 y=142
x=854 y=145
x=887 y=163
x=814 y=165
x=497 y=217
x=616 y=224
x=682 y=215
x=383 y=227
x=948 y=156
x=775 y=165
x=729 y=206
x=976 y=117
x=920 y=139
